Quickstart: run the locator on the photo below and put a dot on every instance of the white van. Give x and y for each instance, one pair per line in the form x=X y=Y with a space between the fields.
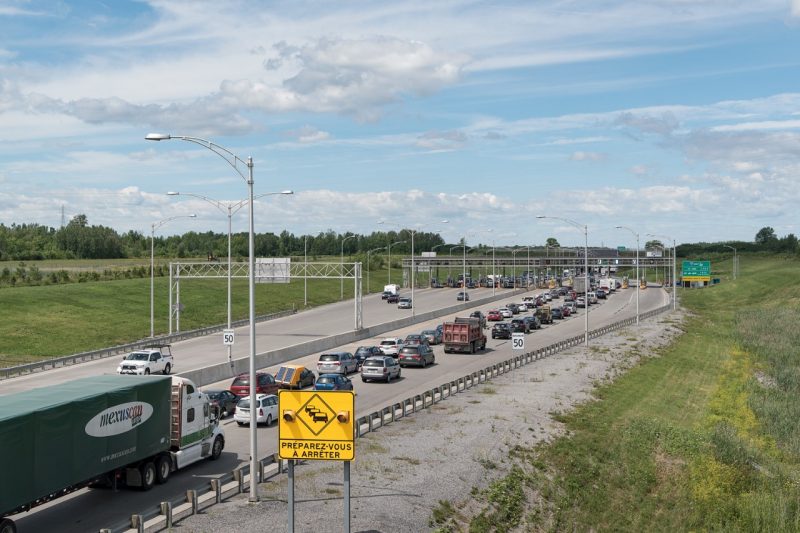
x=392 y=288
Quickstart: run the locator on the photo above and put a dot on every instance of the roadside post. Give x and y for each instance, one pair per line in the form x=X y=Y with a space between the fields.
x=518 y=341
x=228 y=338
x=317 y=426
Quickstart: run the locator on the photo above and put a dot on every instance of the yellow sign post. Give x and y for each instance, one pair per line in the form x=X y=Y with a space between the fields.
x=316 y=425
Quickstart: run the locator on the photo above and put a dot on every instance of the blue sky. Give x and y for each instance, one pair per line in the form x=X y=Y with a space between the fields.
x=679 y=118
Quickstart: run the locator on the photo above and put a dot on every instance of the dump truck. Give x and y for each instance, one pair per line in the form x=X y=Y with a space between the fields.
x=104 y=431
x=544 y=314
x=463 y=335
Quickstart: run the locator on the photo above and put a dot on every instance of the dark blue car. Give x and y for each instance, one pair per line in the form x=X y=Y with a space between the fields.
x=333 y=382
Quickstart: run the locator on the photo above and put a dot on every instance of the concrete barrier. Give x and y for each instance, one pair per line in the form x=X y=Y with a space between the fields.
x=212 y=374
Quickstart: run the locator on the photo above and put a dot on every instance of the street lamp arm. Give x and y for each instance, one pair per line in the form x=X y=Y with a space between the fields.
x=160 y=223
x=231 y=158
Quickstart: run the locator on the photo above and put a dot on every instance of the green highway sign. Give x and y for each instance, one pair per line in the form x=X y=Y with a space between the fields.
x=696 y=270
x=621 y=248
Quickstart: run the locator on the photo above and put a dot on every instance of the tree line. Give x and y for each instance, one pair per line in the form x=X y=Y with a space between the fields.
x=80 y=240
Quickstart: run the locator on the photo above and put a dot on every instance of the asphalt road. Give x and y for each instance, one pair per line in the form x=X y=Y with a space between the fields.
x=90 y=510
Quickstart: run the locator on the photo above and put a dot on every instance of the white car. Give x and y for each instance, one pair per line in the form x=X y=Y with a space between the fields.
x=523 y=307
x=391 y=346
x=404 y=303
x=505 y=312
x=592 y=298
x=267 y=410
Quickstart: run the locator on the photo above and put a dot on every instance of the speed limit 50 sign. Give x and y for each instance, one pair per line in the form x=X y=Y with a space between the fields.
x=227 y=337
x=518 y=341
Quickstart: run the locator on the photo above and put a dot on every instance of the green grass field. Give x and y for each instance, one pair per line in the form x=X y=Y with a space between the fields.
x=703 y=438
x=55 y=320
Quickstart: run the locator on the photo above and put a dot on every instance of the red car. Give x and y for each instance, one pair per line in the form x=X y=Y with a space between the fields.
x=566 y=310
x=265 y=384
x=494 y=315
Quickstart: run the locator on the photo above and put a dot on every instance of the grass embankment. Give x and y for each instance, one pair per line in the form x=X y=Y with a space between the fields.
x=704 y=437
x=55 y=320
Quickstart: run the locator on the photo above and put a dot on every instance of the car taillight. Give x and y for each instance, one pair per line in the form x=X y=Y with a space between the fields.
x=385 y=370
x=260 y=412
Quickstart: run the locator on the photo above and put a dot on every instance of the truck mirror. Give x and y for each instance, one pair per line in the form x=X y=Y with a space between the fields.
x=343 y=416
x=288 y=415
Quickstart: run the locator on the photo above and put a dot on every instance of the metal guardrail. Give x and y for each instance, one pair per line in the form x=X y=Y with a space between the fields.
x=164 y=515
x=69 y=360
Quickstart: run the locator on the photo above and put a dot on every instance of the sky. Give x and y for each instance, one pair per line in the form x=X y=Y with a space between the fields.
x=678 y=118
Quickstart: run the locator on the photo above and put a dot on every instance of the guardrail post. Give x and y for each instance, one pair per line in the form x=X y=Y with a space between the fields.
x=216 y=486
x=238 y=475
x=166 y=510
x=191 y=497
x=137 y=523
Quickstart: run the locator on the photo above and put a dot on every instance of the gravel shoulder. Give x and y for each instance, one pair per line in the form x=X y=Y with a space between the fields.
x=445 y=453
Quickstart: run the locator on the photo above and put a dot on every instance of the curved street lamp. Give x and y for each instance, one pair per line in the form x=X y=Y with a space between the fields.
x=735 y=265
x=390 y=263
x=674 y=263
x=231 y=207
x=638 y=283
x=585 y=229
x=153 y=227
x=238 y=163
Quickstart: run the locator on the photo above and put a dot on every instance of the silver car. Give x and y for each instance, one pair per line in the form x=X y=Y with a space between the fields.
x=382 y=368
x=337 y=363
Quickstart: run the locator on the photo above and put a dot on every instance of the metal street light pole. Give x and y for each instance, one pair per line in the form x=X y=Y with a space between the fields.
x=231 y=208
x=638 y=287
x=341 y=262
x=237 y=163
x=585 y=229
x=390 y=261
x=153 y=227
x=733 y=265
x=674 y=264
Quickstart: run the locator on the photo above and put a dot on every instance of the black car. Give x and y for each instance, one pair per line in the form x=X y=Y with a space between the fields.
x=385 y=295
x=600 y=293
x=224 y=399
x=520 y=325
x=501 y=330
x=556 y=313
x=393 y=298
x=417 y=355
x=462 y=297
x=533 y=322
x=514 y=308
x=366 y=351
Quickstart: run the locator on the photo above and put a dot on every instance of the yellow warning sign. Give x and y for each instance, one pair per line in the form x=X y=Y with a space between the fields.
x=316 y=425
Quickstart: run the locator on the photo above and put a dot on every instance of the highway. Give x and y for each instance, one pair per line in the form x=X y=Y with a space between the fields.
x=90 y=510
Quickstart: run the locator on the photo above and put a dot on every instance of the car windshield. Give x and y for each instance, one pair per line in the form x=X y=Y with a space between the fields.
x=326 y=379
x=411 y=349
x=329 y=357
x=388 y=343
x=214 y=395
x=373 y=362
x=138 y=356
x=244 y=403
x=241 y=382
x=429 y=332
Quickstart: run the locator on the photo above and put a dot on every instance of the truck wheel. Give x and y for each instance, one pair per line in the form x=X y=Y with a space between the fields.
x=163 y=469
x=148 y=474
x=216 y=450
x=167 y=369
x=7 y=526
x=146 y=371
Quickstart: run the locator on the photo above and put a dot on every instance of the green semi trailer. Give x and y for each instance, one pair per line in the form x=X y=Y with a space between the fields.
x=104 y=430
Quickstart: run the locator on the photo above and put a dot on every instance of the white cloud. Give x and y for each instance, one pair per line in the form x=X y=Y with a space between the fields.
x=308 y=134
x=762 y=125
x=439 y=141
x=588 y=156
x=795 y=8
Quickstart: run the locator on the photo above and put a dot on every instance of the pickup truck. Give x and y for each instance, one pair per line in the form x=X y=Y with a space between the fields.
x=148 y=360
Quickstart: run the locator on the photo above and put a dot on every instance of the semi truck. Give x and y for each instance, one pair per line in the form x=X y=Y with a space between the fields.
x=463 y=335
x=109 y=431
